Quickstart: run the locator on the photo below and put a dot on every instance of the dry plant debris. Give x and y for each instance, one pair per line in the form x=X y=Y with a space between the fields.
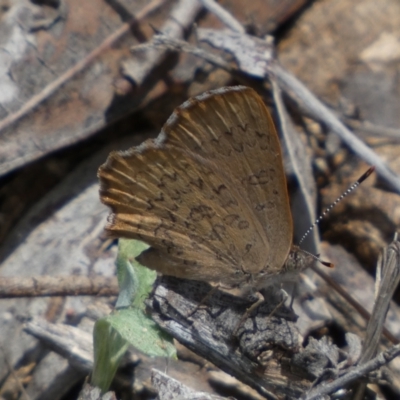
x=71 y=78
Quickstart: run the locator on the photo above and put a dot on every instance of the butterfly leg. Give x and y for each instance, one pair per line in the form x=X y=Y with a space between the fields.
x=204 y=300
x=260 y=299
x=285 y=296
x=294 y=291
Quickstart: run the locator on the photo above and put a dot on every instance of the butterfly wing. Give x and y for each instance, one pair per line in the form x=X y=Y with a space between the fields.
x=233 y=128
x=208 y=195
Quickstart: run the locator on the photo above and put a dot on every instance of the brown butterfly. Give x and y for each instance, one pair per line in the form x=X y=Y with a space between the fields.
x=208 y=194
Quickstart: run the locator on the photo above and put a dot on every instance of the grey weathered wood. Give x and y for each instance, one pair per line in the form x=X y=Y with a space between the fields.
x=262 y=352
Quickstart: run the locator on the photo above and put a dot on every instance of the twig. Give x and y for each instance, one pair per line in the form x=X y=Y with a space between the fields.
x=357 y=373
x=223 y=15
x=302 y=166
x=72 y=343
x=181 y=18
x=389 y=271
x=57 y=286
x=180 y=45
x=354 y=303
x=375 y=130
x=318 y=111
x=389 y=261
x=34 y=101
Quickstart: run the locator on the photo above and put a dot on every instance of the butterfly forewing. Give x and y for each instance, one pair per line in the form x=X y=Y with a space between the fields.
x=232 y=128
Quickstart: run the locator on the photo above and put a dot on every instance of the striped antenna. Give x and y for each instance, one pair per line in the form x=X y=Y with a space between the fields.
x=340 y=198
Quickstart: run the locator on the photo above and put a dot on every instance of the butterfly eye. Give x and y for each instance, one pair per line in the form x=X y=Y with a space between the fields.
x=291 y=264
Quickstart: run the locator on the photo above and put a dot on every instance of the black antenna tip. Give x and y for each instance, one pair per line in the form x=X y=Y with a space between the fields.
x=366 y=174
x=324 y=263
x=327 y=264
x=316 y=257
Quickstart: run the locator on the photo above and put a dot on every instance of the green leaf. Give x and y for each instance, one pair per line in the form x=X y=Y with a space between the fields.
x=109 y=348
x=128 y=325
x=135 y=281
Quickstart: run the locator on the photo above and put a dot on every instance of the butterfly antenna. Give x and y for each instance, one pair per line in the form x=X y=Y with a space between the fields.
x=362 y=178
x=316 y=257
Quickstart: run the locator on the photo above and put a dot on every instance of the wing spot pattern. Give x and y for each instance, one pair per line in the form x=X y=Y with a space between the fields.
x=243 y=225
x=261 y=178
x=200 y=212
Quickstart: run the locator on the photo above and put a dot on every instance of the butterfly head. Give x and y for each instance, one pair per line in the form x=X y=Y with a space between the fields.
x=296 y=262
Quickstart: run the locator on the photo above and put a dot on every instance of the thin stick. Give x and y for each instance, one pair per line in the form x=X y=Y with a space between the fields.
x=226 y=17
x=354 y=303
x=34 y=101
x=357 y=373
x=318 y=111
x=389 y=267
x=57 y=286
